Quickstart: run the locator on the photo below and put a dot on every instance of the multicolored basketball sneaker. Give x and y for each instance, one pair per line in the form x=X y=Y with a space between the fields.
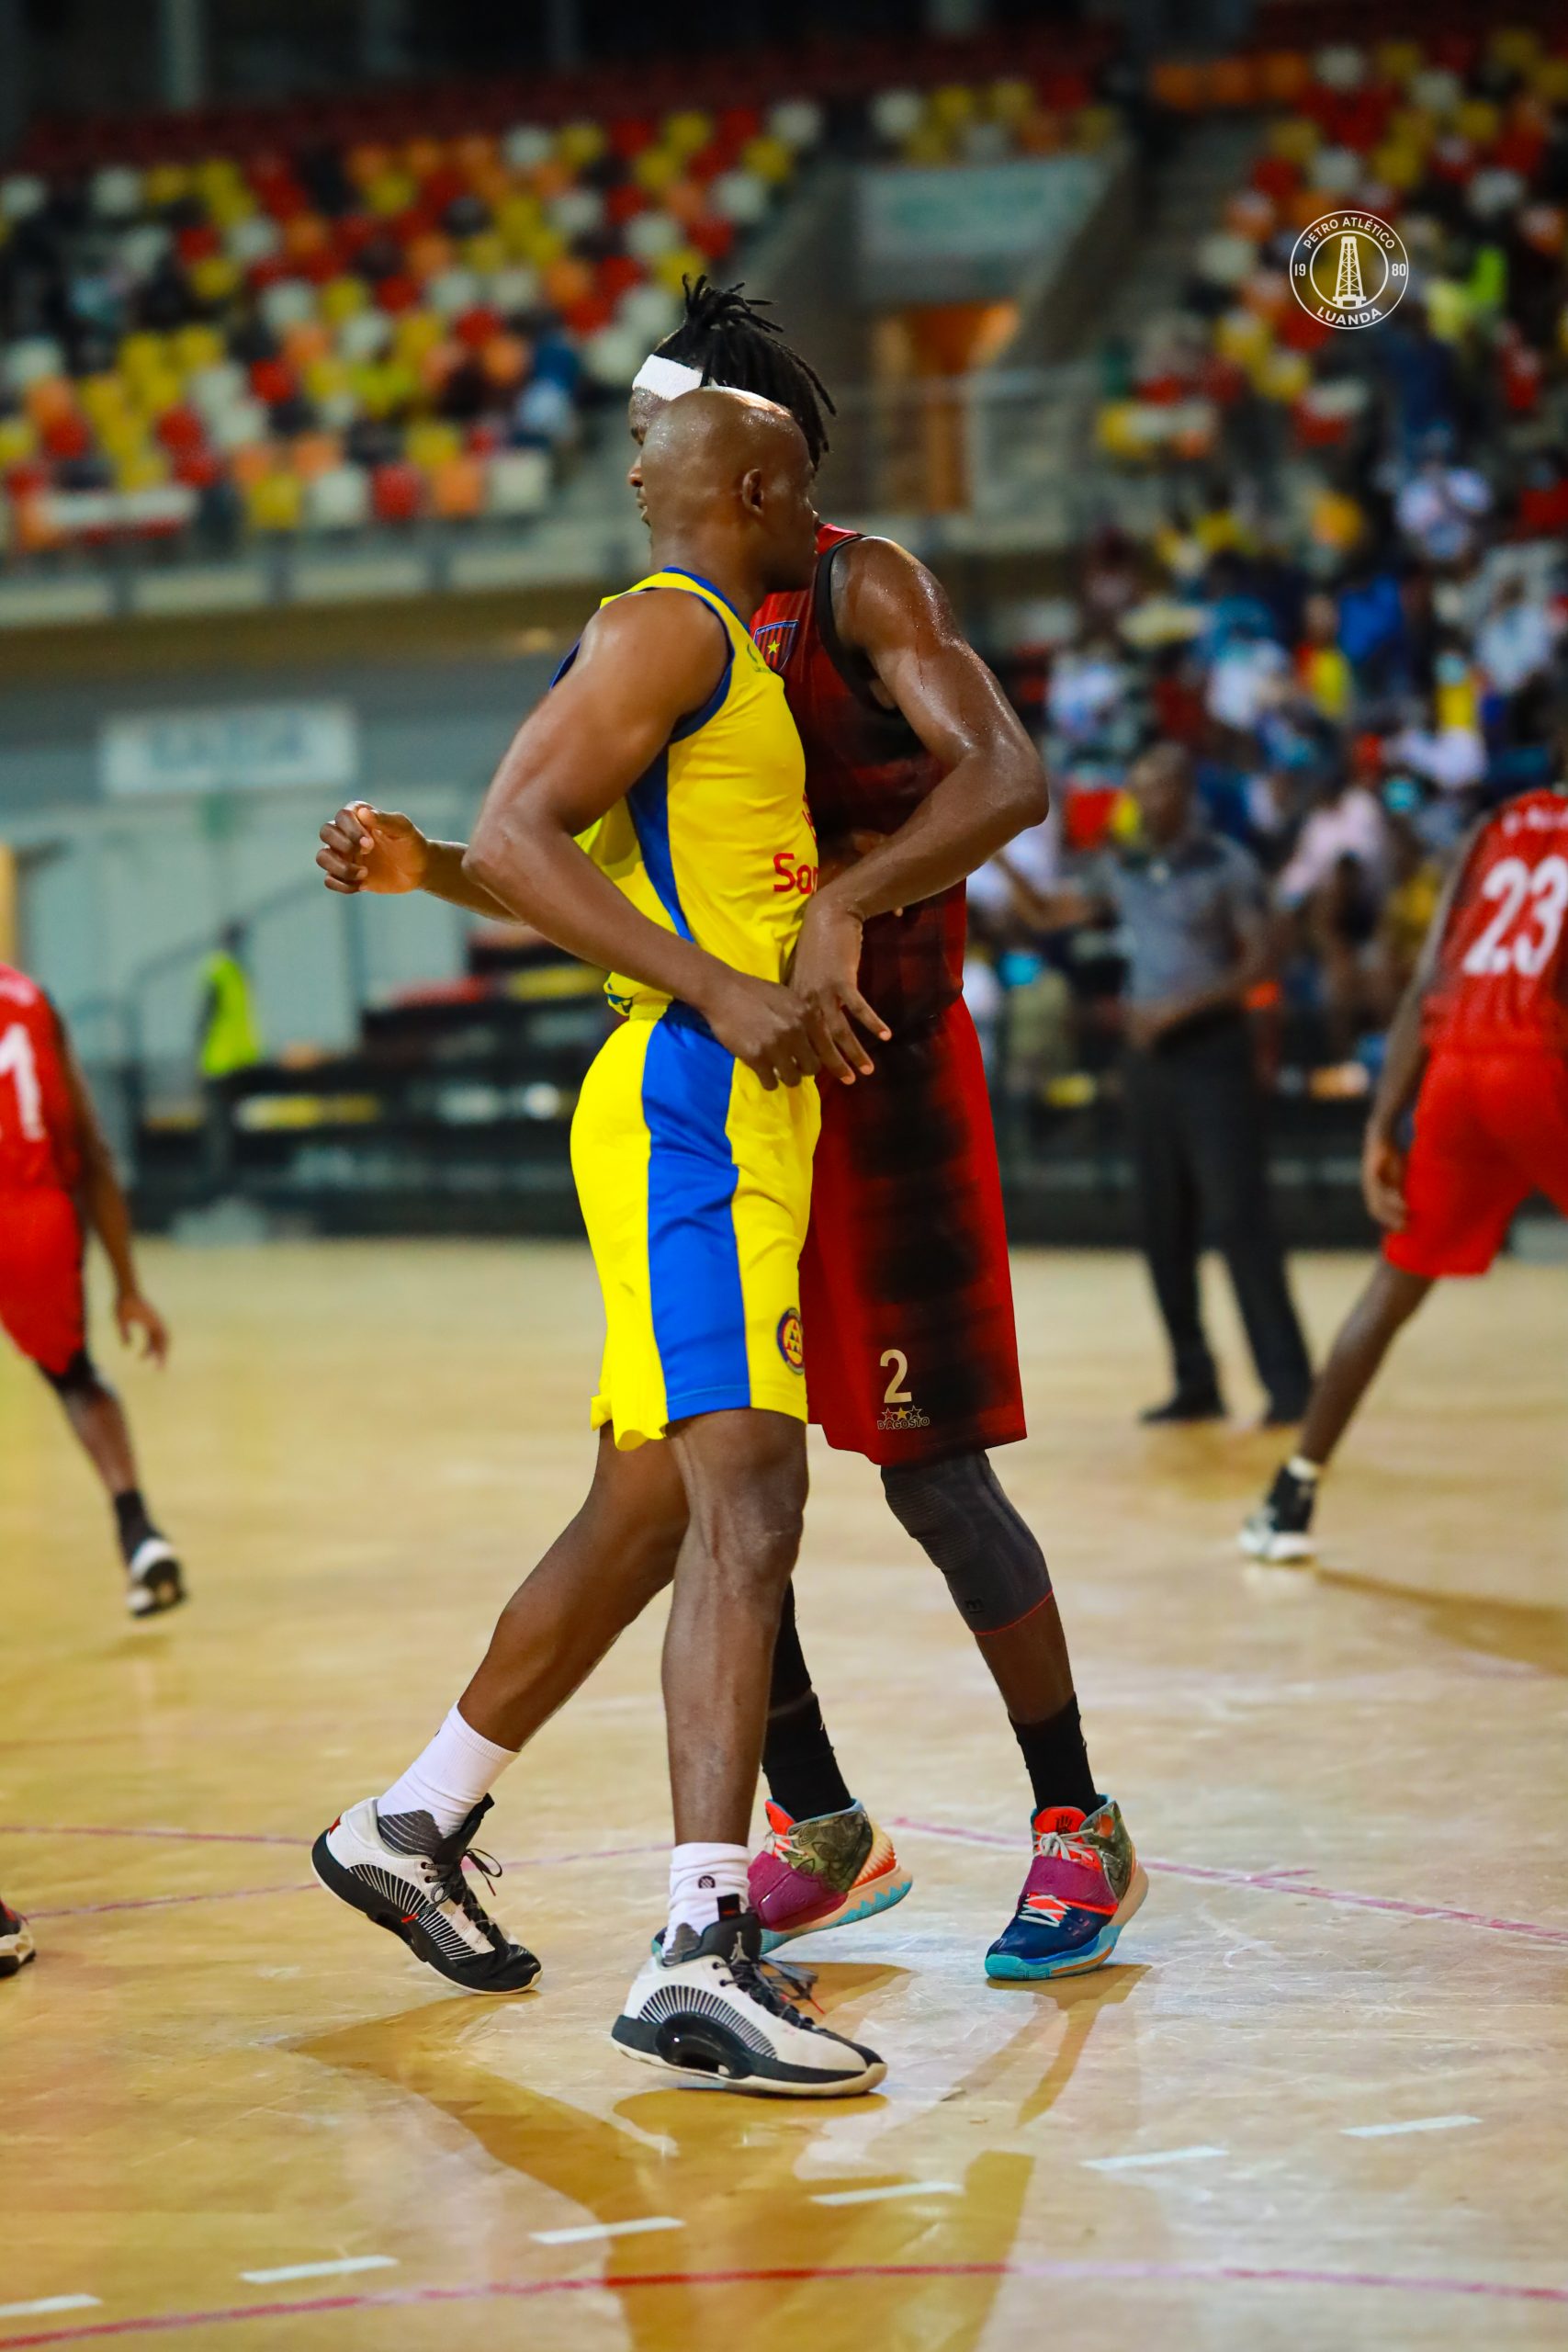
x=824 y=1872
x=1084 y=1884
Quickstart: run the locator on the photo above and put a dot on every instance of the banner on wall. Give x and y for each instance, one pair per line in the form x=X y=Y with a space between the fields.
x=970 y=232
x=253 y=747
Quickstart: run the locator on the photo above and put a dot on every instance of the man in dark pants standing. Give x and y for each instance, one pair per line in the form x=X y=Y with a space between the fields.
x=1192 y=906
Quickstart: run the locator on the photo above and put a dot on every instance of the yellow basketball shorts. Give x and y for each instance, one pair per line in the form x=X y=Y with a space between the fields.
x=694 y=1182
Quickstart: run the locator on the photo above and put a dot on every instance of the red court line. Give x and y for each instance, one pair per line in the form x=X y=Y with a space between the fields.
x=1275 y=1883
x=1185 y=2274
x=180 y=1836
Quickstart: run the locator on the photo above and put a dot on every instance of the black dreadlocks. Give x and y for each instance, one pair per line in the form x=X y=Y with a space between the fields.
x=734 y=345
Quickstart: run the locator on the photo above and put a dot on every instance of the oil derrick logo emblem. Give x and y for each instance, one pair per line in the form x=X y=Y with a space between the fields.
x=1350 y=269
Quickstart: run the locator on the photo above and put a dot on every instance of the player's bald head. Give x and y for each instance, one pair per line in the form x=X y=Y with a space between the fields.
x=702 y=445
x=730 y=465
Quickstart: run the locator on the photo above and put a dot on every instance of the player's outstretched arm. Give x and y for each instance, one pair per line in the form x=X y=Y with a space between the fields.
x=644 y=662
x=383 y=851
x=107 y=1213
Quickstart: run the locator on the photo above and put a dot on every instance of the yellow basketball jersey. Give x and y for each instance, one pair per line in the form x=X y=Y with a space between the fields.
x=714 y=840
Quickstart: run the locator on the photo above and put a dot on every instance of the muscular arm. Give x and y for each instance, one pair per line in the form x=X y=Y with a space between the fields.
x=107 y=1211
x=643 y=664
x=1404 y=1063
x=383 y=851
x=889 y=607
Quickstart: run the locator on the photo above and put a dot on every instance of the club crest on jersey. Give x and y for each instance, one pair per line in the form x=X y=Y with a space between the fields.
x=792 y=1340
x=774 y=640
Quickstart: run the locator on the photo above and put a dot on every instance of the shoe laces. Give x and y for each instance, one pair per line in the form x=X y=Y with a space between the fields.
x=1068 y=1846
x=456 y=1887
x=770 y=1986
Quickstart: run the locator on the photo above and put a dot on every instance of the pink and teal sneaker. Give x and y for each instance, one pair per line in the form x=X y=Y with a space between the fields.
x=824 y=1872
x=1084 y=1884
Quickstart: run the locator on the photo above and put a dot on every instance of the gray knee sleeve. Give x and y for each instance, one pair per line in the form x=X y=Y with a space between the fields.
x=959 y=1516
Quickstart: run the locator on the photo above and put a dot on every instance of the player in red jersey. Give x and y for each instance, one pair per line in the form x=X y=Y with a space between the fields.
x=57 y=1182
x=1480 y=1046
x=916 y=770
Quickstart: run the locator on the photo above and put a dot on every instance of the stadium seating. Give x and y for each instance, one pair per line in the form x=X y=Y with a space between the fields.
x=312 y=338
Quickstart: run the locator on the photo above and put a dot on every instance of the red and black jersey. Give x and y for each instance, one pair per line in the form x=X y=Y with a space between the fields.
x=39 y=1143
x=1502 y=977
x=866 y=771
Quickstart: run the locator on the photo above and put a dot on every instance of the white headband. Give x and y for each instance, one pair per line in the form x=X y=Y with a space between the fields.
x=668 y=377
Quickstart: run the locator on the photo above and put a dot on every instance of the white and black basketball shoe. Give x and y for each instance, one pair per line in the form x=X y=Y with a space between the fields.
x=17 y=1946
x=402 y=1873
x=710 y=2009
x=152 y=1578
x=1279 y=1529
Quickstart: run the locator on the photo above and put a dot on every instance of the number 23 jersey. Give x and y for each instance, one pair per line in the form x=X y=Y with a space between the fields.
x=39 y=1144
x=1502 y=977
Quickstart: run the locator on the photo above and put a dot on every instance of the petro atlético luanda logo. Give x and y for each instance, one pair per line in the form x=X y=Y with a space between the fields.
x=792 y=1340
x=1350 y=269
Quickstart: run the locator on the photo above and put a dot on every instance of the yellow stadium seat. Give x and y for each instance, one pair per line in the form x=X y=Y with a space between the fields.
x=1297 y=138
x=772 y=159
x=1515 y=48
x=277 y=502
x=687 y=130
x=1399 y=166
x=326 y=377
x=1096 y=127
x=929 y=144
x=416 y=332
x=1396 y=61
x=140 y=354
x=1011 y=101
x=18 y=439
x=1479 y=119
x=542 y=247
x=225 y=206
x=1283 y=375
x=682 y=261
x=431 y=444
x=341 y=297
x=580 y=143
x=954 y=104
x=657 y=168
x=141 y=469
x=166 y=184
x=156 y=393
x=215 y=277
x=1549 y=80
x=391 y=192
x=486 y=251
x=102 y=397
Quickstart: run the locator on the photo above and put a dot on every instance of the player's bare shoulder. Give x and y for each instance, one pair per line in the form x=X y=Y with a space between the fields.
x=881 y=591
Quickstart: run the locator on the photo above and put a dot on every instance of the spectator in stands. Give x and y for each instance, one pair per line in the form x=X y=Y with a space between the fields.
x=1514 y=647
x=1440 y=508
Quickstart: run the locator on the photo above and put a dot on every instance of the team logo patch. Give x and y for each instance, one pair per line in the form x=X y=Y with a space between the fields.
x=774 y=640
x=1350 y=269
x=792 y=1340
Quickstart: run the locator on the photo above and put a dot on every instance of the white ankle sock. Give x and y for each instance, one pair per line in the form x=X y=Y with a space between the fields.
x=698 y=1876
x=448 y=1779
x=1300 y=1467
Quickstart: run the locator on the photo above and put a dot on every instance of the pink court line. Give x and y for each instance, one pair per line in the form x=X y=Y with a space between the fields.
x=1282 y=1882
x=527 y=2290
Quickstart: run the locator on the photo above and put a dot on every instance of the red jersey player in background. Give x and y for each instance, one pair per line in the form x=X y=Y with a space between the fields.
x=1480 y=1046
x=918 y=770
x=57 y=1183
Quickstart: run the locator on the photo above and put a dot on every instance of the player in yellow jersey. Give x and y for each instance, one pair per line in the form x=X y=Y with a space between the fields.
x=644 y=819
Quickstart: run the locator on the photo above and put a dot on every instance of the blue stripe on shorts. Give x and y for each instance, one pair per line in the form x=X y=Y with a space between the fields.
x=699 y=1309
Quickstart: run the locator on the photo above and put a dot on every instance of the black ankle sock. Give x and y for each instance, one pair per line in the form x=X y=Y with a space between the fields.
x=131 y=1518
x=1057 y=1761
x=799 y=1763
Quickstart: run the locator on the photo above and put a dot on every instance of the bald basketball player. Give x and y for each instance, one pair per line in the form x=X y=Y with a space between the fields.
x=636 y=822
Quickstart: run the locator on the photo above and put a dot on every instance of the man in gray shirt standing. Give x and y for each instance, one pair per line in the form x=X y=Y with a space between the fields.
x=1193 y=908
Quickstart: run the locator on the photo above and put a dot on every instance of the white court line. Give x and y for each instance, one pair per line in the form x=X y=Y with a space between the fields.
x=1159 y=2156
x=586 y=2230
x=895 y=2188
x=321 y=2269
x=1421 y=2124
x=49 y=2304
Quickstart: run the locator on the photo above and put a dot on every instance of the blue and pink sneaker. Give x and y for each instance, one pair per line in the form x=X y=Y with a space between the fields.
x=824 y=1872
x=1084 y=1884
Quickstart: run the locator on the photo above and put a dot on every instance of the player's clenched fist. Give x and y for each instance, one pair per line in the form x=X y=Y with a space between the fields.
x=372 y=849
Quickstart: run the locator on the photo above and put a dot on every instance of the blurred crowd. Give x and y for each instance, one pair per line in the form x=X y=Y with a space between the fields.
x=1353 y=614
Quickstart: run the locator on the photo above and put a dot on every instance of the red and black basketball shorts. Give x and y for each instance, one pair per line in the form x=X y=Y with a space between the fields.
x=911 y=1353
x=41 y=1303
x=1490 y=1129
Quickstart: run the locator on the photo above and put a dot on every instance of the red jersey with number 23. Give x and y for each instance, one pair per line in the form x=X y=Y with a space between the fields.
x=1502 y=977
x=39 y=1145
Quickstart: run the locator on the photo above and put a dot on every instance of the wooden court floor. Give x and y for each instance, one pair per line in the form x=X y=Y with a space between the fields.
x=1319 y=2103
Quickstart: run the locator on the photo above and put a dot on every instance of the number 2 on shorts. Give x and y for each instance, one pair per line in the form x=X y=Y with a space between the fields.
x=896 y=1393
